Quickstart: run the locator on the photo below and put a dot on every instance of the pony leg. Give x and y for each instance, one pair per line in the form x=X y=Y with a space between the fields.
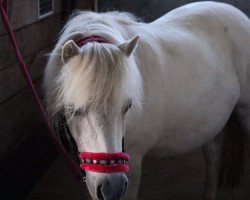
x=224 y=159
x=134 y=176
x=212 y=155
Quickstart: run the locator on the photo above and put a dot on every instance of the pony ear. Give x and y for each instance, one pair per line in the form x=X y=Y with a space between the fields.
x=129 y=46
x=69 y=50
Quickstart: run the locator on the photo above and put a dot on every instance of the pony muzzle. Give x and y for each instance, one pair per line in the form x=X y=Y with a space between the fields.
x=104 y=162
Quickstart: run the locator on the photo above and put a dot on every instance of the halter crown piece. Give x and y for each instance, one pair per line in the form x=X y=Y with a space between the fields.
x=102 y=162
x=82 y=41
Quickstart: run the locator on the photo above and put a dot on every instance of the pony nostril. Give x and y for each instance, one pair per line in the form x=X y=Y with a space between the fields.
x=112 y=190
x=99 y=193
x=125 y=189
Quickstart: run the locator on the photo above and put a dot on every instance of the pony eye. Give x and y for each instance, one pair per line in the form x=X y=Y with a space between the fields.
x=128 y=106
x=70 y=111
x=78 y=112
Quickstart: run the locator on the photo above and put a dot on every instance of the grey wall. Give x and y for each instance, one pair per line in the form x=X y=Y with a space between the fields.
x=149 y=10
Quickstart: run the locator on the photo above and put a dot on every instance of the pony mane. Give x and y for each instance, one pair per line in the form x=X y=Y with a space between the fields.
x=101 y=24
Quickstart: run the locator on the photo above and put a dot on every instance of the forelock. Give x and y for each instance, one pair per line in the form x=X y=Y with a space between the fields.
x=91 y=78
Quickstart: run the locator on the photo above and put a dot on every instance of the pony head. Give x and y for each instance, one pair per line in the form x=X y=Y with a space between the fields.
x=98 y=87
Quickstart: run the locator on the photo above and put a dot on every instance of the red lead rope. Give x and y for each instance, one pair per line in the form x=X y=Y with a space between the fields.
x=59 y=147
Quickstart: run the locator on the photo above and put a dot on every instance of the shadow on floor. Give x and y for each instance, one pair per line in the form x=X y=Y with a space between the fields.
x=180 y=178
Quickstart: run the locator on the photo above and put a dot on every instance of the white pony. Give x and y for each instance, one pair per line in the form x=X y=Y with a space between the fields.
x=186 y=77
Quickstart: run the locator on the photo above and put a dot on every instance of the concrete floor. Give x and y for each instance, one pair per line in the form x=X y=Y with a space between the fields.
x=180 y=178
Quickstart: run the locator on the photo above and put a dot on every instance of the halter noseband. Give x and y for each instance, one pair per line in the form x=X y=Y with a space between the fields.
x=104 y=162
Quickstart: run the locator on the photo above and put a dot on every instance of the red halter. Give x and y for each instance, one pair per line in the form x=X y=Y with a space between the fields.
x=104 y=162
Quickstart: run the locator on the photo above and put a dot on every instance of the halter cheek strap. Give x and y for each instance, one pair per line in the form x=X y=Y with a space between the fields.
x=104 y=162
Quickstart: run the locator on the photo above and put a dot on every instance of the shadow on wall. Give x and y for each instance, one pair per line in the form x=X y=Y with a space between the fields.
x=151 y=10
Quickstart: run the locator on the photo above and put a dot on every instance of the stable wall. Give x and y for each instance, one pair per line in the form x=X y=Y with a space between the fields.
x=35 y=37
x=150 y=10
